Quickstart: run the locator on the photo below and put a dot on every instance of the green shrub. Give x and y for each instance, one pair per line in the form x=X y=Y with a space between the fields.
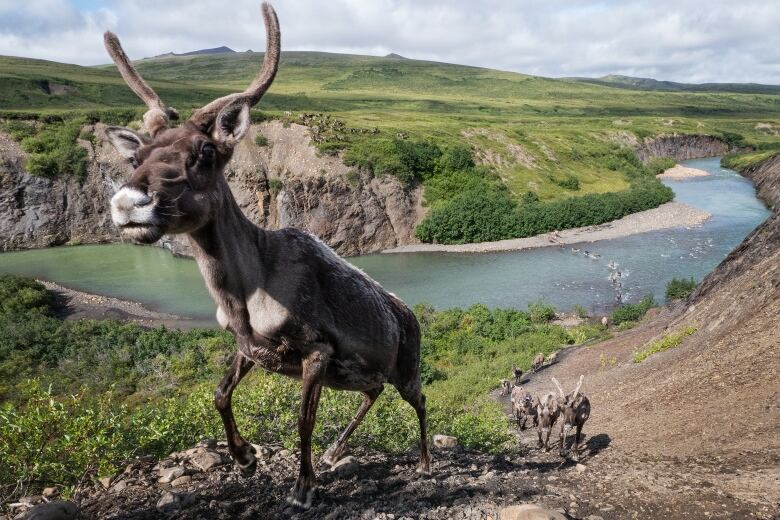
x=474 y=216
x=541 y=311
x=632 y=311
x=261 y=140
x=569 y=182
x=680 y=288
x=55 y=152
x=665 y=343
x=733 y=139
x=275 y=186
x=18 y=130
x=660 y=164
x=406 y=159
x=580 y=311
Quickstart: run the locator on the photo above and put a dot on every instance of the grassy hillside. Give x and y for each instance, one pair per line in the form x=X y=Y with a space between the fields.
x=536 y=131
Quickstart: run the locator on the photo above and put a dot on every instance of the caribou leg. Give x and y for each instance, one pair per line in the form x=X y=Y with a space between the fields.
x=336 y=451
x=242 y=451
x=313 y=370
x=577 y=437
x=414 y=396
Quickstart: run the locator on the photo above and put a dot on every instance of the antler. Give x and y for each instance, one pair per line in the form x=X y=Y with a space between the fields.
x=206 y=116
x=577 y=390
x=158 y=115
x=560 y=390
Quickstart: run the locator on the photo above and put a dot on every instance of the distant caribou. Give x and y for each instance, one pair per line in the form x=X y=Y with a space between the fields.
x=293 y=305
x=575 y=409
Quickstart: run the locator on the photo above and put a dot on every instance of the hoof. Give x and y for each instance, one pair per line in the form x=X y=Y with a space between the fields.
x=248 y=469
x=331 y=456
x=301 y=499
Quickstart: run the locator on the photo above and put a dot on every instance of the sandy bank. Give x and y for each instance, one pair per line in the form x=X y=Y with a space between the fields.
x=679 y=172
x=75 y=305
x=666 y=216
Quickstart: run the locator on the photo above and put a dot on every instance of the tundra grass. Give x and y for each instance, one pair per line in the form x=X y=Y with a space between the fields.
x=669 y=341
x=539 y=131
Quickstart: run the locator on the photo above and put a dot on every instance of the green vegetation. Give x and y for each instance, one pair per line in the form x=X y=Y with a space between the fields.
x=275 y=186
x=660 y=164
x=679 y=288
x=742 y=161
x=665 y=343
x=261 y=140
x=632 y=312
x=81 y=397
x=55 y=152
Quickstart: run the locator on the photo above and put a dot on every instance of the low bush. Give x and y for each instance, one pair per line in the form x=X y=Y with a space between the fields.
x=55 y=152
x=406 y=159
x=660 y=164
x=477 y=215
x=679 y=288
x=570 y=183
x=261 y=140
x=665 y=343
x=631 y=312
x=541 y=311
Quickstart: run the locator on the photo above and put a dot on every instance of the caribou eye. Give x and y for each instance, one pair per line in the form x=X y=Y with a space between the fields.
x=207 y=151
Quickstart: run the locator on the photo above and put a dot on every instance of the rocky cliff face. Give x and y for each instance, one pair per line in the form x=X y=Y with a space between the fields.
x=681 y=147
x=283 y=184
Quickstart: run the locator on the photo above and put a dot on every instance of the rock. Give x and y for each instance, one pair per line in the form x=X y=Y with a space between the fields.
x=119 y=486
x=580 y=468
x=30 y=500
x=346 y=466
x=594 y=517
x=207 y=459
x=170 y=474
x=168 y=501
x=181 y=481
x=50 y=492
x=529 y=512
x=105 y=482
x=445 y=441
x=56 y=510
x=208 y=443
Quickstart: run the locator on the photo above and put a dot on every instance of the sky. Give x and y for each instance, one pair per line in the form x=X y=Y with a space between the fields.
x=677 y=40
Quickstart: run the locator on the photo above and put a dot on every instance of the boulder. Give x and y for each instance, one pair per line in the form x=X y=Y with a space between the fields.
x=445 y=441
x=168 y=502
x=181 y=481
x=207 y=459
x=170 y=474
x=529 y=512
x=346 y=466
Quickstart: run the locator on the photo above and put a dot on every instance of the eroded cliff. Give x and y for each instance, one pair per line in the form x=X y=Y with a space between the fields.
x=286 y=183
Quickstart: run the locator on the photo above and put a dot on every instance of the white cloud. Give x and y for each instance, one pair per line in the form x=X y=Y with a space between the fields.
x=683 y=40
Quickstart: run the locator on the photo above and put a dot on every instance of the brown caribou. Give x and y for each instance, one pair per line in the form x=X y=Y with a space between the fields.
x=575 y=410
x=293 y=305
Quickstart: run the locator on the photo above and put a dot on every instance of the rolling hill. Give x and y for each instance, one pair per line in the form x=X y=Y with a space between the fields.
x=536 y=132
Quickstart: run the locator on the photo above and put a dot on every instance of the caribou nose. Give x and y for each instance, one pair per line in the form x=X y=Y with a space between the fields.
x=125 y=202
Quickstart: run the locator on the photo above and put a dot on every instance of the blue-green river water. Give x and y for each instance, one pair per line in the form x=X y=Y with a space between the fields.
x=511 y=279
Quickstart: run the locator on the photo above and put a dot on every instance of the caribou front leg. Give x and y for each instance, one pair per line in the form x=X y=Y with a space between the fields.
x=314 y=366
x=243 y=452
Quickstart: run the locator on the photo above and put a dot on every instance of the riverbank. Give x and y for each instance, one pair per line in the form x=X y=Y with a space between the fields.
x=77 y=305
x=666 y=216
x=679 y=172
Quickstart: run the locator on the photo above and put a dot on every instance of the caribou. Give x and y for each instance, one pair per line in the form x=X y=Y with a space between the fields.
x=575 y=409
x=294 y=306
x=547 y=410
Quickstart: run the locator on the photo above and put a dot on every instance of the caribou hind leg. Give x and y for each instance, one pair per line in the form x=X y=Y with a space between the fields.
x=413 y=395
x=336 y=451
x=313 y=370
x=242 y=451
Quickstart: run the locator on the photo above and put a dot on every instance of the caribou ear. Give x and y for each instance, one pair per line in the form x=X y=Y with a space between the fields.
x=125 y=140
x=232 y=124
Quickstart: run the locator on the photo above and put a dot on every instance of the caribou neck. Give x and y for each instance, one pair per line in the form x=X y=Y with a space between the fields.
x=222 y=247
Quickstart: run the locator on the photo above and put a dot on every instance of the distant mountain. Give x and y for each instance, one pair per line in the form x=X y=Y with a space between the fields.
x=396 y=56
x=215 y=50
x=630 y=82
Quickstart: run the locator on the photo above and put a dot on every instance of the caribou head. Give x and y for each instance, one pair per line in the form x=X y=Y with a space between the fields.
x=567 y=405
x=177 y=173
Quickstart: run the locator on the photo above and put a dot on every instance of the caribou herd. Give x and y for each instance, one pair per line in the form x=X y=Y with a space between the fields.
x=573 y=410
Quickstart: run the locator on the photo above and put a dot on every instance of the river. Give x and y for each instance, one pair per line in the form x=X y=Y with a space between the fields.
x=509 y=279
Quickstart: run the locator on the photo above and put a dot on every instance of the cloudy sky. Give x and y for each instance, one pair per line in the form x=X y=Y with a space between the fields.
x=680 y=40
